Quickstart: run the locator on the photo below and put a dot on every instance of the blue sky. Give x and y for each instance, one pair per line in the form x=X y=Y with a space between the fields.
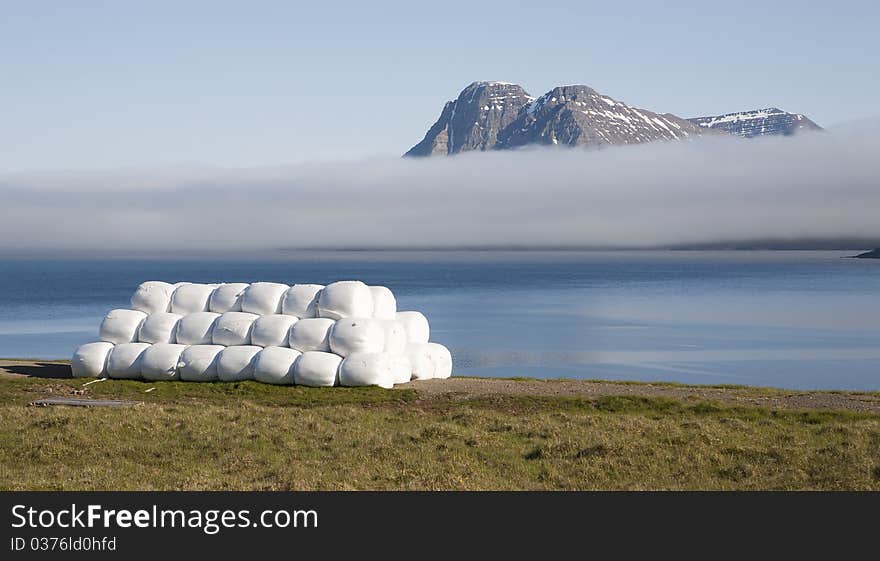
x=93 y=85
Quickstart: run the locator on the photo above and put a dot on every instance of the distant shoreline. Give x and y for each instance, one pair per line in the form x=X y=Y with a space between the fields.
x=873 y=254
x=803 y=244
x=251 y=254
x=527 y=249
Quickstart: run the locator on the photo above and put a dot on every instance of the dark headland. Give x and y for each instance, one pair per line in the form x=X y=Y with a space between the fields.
x=874 y=254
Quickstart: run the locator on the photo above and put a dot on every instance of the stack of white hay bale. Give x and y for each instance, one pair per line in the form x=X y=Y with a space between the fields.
x=345 y=333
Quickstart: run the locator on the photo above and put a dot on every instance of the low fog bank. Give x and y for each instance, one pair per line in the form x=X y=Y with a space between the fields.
x=814 y=186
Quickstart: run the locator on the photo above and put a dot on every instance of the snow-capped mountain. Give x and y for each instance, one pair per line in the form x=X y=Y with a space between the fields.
x=473 y=120
x=580 y=116
x=500 y=115
x=760 y=122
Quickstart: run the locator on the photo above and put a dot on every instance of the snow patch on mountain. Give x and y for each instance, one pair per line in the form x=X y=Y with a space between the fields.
x=759 y=122
x=492 y=115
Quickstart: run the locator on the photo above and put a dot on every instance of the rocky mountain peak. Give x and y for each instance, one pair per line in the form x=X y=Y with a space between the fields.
x=560 y=95
x=578 y=115
x=759 y=122
x=501 y=115
x=473 y=120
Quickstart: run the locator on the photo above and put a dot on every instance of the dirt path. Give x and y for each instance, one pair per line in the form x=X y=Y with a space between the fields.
x=852 y=401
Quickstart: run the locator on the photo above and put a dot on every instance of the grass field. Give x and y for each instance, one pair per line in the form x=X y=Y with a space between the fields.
x=246 y=436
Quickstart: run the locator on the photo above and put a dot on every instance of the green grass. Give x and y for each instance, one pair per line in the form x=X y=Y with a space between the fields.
x=749 y=390
x=254 y=436
x=29 y=389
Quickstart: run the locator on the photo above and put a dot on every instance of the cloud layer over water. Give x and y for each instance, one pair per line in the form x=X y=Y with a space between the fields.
x=812 y=186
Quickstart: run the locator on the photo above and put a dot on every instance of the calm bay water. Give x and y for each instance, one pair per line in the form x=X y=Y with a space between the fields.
x=787 y=319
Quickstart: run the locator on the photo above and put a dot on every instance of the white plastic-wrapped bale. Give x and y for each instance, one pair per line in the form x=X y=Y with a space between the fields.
x=272 y=330
x=401 y=369
x=317 y=369
x=159 y=327
x=367 y=369
x=263 y=298
x=275 y=365
x=196 y=329
x=395 y=336
x=384 y=303
x=162 y=362
x=90 y=360
x=442 y=360
x=124 y=361
x=357 y=335
x=121 y=326
x=227 y=297
x=416 y=326
x=191 y=298
x=233 y=328
x=419 y=355
x=152 y=296
x=301 y=300
x=311 y=334
x=198 y=363
x=345 y=299
x=237 y=363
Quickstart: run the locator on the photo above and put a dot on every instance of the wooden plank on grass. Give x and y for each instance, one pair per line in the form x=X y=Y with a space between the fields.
x=74 y=402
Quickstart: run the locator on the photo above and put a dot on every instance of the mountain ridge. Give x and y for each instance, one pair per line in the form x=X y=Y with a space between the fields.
x=578 y=115
x=493 y=115
x=757 y=122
